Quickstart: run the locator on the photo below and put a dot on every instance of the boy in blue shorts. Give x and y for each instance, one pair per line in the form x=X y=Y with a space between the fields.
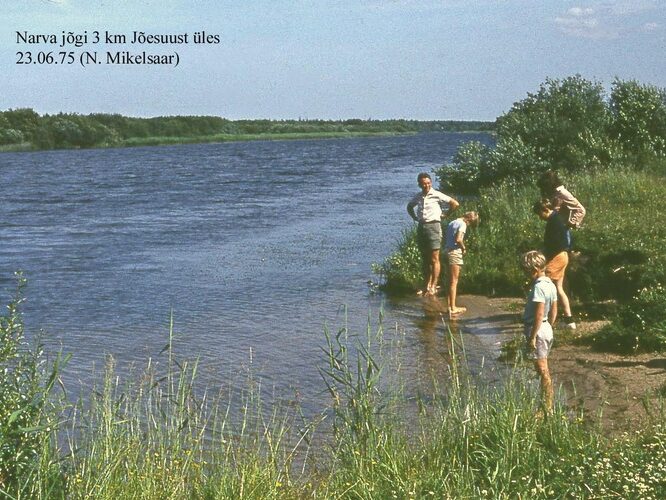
x=538 y=319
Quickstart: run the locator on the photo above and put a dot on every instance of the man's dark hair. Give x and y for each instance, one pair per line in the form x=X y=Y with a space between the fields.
x=423 y=175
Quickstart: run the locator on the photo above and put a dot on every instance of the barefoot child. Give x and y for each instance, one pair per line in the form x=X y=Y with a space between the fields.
x=539 y=317
x=455 y=249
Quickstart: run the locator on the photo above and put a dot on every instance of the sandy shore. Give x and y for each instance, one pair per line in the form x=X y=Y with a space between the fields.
x=617 y=392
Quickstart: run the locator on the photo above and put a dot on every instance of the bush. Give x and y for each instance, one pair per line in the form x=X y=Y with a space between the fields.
x=639 y=119
x=568 y=125
x=467 y=170
x=402 y=270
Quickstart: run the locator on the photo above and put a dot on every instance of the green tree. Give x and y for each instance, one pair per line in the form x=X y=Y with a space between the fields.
x=639 y=119
x=564 y=126
x=9 y=135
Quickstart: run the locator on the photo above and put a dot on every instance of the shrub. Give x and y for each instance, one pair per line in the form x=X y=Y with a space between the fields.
x=467 y=170
x=639 y=118
x=401 y=271
x=568 y=125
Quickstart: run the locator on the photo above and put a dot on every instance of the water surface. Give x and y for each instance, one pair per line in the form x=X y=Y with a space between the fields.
x=254 y=247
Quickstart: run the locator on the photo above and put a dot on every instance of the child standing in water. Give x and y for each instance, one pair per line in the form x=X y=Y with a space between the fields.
x=538 y=319
x=455 y=249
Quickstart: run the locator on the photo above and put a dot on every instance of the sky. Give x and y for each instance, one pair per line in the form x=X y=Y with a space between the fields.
x=322 y=59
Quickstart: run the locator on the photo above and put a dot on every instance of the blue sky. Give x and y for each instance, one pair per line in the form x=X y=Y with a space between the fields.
x=330 y=59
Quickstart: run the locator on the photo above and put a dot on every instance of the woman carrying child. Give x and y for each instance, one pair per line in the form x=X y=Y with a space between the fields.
x=562 y=201
x=556 y=241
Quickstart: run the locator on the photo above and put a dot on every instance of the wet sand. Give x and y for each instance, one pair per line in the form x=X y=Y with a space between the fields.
x=617 y=392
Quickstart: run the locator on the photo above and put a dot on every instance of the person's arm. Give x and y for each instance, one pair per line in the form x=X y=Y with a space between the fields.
x=410 y=209
x=538 y=319
x=453 y=204
x=460 y=240
x=574 y=209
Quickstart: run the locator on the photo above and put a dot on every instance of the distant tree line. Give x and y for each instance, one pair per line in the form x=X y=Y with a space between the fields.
x=25 y=127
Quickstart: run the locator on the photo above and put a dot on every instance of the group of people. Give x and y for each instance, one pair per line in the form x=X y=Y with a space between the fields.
x=428 y=208
x=561 y=211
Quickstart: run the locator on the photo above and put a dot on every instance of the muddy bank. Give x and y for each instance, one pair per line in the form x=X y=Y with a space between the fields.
x=617 y=392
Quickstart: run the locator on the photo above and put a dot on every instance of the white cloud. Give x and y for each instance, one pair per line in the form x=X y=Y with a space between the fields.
x=582 y=22
x=579 y=11
x=610 y=19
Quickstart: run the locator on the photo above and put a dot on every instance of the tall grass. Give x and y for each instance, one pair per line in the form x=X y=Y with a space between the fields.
x=475 y=441
x=156 y=436
x=267 y=136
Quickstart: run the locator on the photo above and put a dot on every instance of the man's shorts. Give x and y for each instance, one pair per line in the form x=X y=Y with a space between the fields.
x=556 y=266
x=429 y=236
x=543 y=343
x=455 y=257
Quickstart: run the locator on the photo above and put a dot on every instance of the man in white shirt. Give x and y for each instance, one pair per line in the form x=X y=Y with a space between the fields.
x=428 y=204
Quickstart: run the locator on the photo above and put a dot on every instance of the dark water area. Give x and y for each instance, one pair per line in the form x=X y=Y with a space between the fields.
x=254 y=247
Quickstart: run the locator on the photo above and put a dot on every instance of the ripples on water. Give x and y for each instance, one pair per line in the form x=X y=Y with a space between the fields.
x=254 y=246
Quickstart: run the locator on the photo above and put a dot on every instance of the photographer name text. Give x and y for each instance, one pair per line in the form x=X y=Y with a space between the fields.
x=137 y=48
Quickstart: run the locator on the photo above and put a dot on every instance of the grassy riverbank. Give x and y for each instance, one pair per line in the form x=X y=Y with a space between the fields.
x=609 y=148
x=163 y=141
x=621 y=241
x=156 y=436
x=207 y=139
x=622 y=253
x=24 y=129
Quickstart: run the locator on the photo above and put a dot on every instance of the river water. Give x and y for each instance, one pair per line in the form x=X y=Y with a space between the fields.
x=253 y=247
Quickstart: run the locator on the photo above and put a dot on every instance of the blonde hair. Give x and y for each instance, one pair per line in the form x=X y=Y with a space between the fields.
x=471 y=218
x=533 y=260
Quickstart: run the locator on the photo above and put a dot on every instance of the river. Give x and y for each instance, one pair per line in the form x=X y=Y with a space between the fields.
x=253 y=247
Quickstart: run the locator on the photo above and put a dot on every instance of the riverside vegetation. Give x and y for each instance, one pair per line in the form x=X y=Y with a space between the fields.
x=611 y=152
x=24 y=129
x=155 y=436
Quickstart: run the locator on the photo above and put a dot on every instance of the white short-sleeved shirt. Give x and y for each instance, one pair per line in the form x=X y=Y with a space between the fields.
x=429 y=206
x=543 y=291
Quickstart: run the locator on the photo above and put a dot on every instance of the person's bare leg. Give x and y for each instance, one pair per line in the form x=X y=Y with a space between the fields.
x=434 y=272
x=425 y=270
x=562 y=297
x=454 y=274
x=541 y=366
